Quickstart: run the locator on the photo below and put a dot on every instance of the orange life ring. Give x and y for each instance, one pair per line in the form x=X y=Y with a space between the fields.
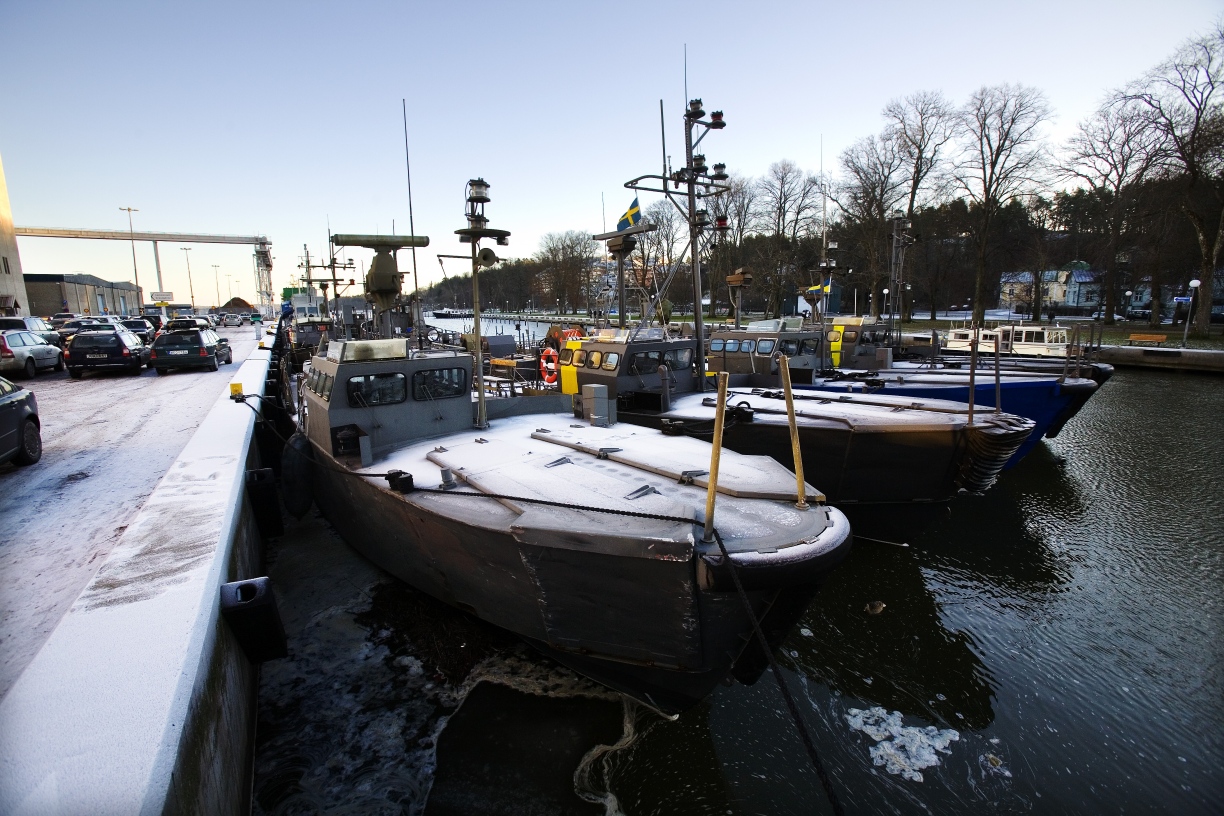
x=548 y=365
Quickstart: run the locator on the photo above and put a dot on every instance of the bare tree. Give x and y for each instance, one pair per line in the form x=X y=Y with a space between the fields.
x=1184 y=98
x=662 y=251
x=1113 y=151
x=873 y=187
x=788 y=209
x=567 y=259
x=1002 y=156
x=921 y=125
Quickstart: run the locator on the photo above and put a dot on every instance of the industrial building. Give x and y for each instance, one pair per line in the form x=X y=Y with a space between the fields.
x=12 y=286
x=81 y=294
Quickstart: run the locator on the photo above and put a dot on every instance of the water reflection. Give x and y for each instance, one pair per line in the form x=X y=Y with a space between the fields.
x=904 y=657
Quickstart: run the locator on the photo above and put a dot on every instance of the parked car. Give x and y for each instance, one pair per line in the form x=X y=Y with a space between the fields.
x=141 y=328
x=73 y=326
x=256 y=317
x=20 y=429
x=1101 y=316
x=60 y=318
x=180 y=323
x=27 y=353
x=231 y=320
x=155 y=319
x=213 y=319
x=190 y=348
x=36 y=325
x=108 y=350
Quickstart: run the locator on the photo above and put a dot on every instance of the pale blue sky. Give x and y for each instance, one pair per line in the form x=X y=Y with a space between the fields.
x=274 y=117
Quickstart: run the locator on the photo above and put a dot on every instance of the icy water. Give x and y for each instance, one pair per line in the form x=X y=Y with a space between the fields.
x=1052 y=647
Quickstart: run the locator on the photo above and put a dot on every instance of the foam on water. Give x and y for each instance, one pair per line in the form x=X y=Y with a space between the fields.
x=901 y=749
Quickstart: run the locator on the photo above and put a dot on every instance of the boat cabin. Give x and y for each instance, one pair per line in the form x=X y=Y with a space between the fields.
x=364 y=397
x=628 y=362
x=1031 y=340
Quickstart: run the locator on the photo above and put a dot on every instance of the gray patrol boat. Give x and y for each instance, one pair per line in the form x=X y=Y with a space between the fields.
x=586 y=540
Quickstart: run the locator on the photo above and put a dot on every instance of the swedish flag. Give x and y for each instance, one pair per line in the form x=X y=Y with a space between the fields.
x=631 y=217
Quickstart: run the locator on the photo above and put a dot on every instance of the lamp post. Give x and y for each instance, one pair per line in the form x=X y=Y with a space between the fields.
x=1129 y=303
x=217 y=281
x=477 y=195
x=699 y=181
x=190 y=285
x=1194 y=285
x=132 y=233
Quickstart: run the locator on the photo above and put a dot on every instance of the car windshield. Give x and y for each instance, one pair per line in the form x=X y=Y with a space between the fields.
x=179 y=339
x=95 y=340
x=77 y=324
x=139 y=325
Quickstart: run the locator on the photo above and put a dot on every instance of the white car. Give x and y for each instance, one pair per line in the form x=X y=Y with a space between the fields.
x=231 y=320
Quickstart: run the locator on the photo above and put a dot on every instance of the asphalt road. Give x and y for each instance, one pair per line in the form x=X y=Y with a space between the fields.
x=107 y=441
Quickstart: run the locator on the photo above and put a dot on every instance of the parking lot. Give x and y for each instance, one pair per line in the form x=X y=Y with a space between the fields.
x=107 y=440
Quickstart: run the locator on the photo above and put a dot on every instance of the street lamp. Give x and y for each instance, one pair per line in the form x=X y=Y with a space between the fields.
x=1194 y=285
x=190 y=285
x=476 y=197
x=1129 y=303
x=217 y=281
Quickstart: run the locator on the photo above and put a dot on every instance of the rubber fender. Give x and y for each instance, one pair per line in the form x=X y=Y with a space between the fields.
x=249 y=607
x=261 y=493
x=297 y=464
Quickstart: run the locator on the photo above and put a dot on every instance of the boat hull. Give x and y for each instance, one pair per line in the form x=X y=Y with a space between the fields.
x=661 y=630
x=1046 y=401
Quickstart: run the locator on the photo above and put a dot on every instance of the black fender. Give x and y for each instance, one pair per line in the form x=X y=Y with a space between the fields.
x=297 y=472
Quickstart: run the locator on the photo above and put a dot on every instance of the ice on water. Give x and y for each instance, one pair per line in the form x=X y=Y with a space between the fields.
x=901 y=749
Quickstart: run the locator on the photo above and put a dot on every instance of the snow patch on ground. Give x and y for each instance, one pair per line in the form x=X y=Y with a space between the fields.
x=901 y=749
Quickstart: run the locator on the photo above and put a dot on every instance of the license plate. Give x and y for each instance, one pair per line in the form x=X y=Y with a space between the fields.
x=184 y=351
x=96 y=356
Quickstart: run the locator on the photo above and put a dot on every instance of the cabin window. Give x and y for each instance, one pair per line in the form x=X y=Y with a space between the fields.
x=766 y=347
x=1030 y=337
x=580 y=356
x=716 y=345
x=834 y=335
x=567 y=356
x=679 y=359
x=748 y=346
x=645 y=362
x=594 y=359
x=732 y=345
x=849 y=336
x=810 y=347
x=377 y=389
x=438 y=383
x=790 y=347
x=325 y=388
x=611 y=361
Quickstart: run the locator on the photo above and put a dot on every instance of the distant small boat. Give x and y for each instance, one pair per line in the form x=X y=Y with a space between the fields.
x=456 y=314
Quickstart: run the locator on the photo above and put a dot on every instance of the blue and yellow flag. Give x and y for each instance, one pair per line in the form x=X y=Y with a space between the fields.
x=631 y=217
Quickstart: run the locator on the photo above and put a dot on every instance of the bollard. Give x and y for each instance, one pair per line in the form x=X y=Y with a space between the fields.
x=249 y=608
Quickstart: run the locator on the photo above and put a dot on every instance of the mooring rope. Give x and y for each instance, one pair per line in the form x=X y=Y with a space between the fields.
x=394 y=476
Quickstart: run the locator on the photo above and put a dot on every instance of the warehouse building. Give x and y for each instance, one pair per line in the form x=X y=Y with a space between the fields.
x=80 y=294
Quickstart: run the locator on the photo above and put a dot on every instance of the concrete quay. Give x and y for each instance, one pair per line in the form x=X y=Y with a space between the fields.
x=140 y=700
x=1206 y=360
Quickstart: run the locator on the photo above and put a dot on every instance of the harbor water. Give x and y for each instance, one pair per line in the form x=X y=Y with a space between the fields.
x=1055 y=646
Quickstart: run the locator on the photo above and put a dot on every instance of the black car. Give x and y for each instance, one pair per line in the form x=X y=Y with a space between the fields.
x=73 y=326
x=141 y=328
x=190 y=348
x=20 y=435
x=155 y=319
x=34 y=325
x=113 y=349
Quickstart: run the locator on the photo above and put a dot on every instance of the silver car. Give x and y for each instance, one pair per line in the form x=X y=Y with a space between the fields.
x=26 y=352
